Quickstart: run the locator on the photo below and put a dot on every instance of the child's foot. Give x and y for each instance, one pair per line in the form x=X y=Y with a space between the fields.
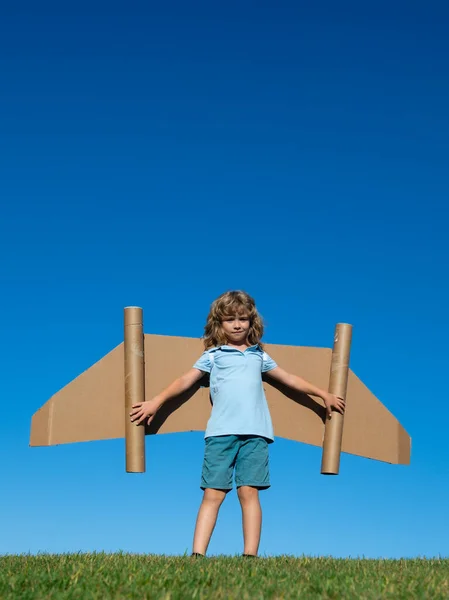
x=250 y=555
x=195 y=554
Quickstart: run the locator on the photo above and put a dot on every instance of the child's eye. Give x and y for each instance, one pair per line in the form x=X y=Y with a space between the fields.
x=230 y=319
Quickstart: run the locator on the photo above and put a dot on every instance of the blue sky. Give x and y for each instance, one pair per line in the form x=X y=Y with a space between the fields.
x=158 y=155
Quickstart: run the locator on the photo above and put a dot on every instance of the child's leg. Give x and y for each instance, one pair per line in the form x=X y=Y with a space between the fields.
x=251 y=475
x=251 y=518
x=207 y=517
x=216 y=481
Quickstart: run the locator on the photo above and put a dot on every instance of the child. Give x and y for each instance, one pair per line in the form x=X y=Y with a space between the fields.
x=239 y=429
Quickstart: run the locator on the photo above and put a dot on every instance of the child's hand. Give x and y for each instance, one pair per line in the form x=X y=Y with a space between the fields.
x=333 y=401
x=142 y=410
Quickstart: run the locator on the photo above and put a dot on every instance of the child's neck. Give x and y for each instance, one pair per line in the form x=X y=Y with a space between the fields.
x=238 y=346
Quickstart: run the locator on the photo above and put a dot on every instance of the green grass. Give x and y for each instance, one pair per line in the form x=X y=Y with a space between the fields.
x=112 y=576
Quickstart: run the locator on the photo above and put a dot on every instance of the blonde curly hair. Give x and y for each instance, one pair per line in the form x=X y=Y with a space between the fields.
x=227 y=305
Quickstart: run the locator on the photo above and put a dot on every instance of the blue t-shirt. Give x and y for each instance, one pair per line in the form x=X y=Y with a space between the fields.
x=239 y=406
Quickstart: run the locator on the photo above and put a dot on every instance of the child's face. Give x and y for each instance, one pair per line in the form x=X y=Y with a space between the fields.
x=236 y=327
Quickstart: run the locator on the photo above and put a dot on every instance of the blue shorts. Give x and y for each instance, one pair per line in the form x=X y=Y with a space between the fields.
x=247 y=454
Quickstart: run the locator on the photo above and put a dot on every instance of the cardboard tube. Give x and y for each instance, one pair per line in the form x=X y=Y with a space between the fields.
x=134 y=388
x=338 y=381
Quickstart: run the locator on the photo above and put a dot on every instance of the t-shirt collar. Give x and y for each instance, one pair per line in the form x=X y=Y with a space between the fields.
x=226 y=347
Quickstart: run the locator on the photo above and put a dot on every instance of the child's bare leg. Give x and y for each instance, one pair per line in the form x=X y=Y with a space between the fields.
x=207 y=517
x=251 y=517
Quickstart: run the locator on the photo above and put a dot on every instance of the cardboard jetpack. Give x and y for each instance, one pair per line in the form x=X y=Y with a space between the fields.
x=96 y=405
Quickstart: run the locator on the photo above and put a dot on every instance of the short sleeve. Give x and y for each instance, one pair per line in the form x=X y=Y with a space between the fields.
x=267 y=363
x=203 y=363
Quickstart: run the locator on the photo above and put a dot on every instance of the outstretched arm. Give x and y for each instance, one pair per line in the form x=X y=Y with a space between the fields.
x=148 y=409
x=301 y=385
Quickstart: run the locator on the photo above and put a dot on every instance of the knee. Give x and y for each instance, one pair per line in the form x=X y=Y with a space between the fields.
x=247 y=494
x=213 y=497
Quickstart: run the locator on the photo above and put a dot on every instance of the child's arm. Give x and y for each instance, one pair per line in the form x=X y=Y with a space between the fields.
x=301 y=385
x=148 y=409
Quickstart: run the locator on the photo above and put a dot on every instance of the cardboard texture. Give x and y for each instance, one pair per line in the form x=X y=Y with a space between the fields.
x=134 y=387
x=91 y=406
x=338 y=383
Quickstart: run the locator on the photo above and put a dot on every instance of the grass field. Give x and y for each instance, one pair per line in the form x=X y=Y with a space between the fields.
x=104 y=576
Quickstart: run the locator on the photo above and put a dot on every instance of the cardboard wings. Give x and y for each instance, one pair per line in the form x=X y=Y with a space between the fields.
x=95 y=405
